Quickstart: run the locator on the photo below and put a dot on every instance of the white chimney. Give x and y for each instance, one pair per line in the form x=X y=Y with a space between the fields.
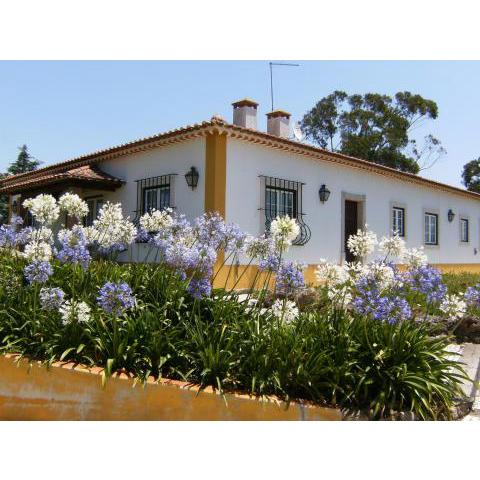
x=278 y=123
x=245 y=113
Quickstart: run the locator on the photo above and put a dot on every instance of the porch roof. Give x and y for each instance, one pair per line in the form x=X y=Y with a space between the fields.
x=88 y=176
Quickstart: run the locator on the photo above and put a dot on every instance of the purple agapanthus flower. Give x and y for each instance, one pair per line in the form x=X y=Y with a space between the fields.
x=24 y=235
x=77 y=254
x=199 y=288
x=74 y=248
x=181 y=257
x=210 y=229
x=116 y=298
x=51 y=298
x=428 y=281
x=271 y=263
x=472 y=295
x=234 y=238
x=289 y=278
x=8 y=236
x=38 y=271
x=143 y=236
x=385 y=306
x=206 y=260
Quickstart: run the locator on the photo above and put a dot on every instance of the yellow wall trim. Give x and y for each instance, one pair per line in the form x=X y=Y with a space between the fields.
x=458 y=267
x=248 y=276
x=215 y=172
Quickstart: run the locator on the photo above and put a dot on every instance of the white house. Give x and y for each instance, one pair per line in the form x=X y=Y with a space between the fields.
x=249 y=177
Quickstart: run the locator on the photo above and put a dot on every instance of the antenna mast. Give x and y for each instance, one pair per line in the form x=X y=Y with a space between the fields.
x=271 y=74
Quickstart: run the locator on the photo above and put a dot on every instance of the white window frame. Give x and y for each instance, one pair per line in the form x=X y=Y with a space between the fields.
x=428 y=239
x=464 y=220
x=158 y=190
x=395 y=209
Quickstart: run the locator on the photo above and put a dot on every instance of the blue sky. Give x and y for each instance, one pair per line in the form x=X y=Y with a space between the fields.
x=65 y=109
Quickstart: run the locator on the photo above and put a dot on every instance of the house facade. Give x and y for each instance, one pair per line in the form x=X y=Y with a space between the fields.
x=250 y=177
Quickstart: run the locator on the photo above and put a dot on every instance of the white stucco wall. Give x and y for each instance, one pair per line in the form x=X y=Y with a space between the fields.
x=173 y=159
x=246 y=161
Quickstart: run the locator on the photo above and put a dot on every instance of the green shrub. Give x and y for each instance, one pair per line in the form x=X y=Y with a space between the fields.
x=458 y=282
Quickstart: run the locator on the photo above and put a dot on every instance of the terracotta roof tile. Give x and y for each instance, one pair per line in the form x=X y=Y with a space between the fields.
x=85 y=173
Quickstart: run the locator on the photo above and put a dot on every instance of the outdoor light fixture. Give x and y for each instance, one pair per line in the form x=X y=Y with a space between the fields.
x=192 y=178
x=450 y=215
x=324 y=193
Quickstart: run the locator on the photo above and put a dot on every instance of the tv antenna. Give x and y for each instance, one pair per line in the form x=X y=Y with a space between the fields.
x=272 y=64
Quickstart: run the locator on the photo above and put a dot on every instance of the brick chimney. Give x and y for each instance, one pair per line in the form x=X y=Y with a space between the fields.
x=245 y=113
x=278 y=123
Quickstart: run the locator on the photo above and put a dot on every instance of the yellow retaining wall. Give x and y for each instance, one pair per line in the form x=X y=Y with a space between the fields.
x=30 y=391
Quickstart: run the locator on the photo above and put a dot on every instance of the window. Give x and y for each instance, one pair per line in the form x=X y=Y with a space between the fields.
x=154 y=193
x=398 y=221
x=94 y=207
x=280 y=202
x=464 y=233
x=431 y=229
x=284 y=197
x=156 y=198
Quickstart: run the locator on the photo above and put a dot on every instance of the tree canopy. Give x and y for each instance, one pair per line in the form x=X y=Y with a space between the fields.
x=24 y=163
x=471 y=175
x=375 y=127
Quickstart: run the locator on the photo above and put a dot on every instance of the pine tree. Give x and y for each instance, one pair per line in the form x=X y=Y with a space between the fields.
x=24 y=163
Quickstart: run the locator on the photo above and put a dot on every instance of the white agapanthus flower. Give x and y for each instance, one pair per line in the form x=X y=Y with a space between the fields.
x=331 y=274
x=340 y=295
x=453 y=306
x=111 y=228
x=287 y=311
x=38 y=251
x=284 y=231
x=157 y=220
x=73 y=205
x=44 y=208
x=415 y=257
x=72 y=311
x=393 y=246
x=257 y=247
x=363 y=243
x=382 y=273
x=356 y=269
x=91 y=234
x=42 y=234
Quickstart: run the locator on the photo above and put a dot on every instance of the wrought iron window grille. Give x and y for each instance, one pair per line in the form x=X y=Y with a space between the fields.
x=285 y=197
x=153 y=193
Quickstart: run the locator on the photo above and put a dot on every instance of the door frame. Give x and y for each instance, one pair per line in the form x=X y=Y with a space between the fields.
x=361 y=200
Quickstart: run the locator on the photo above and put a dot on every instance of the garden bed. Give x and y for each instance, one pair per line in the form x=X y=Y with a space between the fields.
x=67 y=391
x=360 y=341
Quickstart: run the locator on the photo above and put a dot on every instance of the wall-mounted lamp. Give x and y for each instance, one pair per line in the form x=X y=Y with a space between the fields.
x=192 y=178
x=324 y=193
x=450 y=215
